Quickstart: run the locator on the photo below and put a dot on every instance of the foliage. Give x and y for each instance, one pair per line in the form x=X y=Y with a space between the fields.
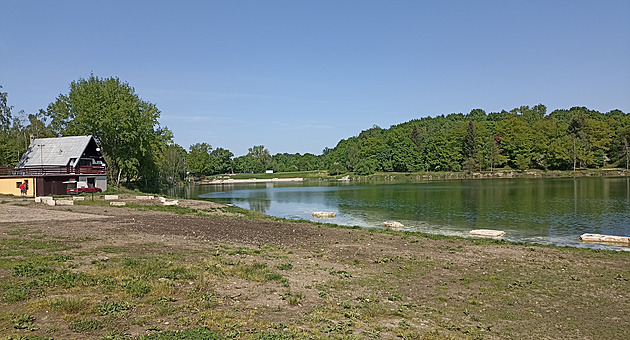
x=174 y=165
x=199 y=160
x=522 y=138
x=140 y=152
x=336 y=169
x=193 y=333
x=15 y=131
x=125 y=126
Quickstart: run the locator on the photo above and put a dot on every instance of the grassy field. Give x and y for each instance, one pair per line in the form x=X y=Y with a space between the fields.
x=76 y=281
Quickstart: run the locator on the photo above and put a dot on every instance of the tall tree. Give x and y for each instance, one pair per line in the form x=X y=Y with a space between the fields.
x=222 y=160
x=260 y=158
x=174 y=165
x=125 y=126
x=200 y=163
x=577 y=130
x=470 y=147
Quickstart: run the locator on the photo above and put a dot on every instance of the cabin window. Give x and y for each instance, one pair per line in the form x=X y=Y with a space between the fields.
x=17 y=185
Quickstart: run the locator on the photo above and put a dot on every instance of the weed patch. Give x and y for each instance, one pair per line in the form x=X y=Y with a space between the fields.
x=87 y=325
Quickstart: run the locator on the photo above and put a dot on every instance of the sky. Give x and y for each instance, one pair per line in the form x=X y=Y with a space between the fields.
x=298 y=76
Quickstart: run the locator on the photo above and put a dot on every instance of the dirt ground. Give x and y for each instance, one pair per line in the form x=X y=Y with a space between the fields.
x=356 y=283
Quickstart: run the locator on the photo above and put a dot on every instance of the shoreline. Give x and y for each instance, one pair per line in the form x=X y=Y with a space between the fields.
x=250 y=180
x=430 y=176
x=197 y=268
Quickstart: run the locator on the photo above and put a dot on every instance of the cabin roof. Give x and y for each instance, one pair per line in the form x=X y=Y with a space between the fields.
x=55 y=151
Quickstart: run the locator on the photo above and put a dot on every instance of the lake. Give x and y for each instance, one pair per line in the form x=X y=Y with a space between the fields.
x=548 y=211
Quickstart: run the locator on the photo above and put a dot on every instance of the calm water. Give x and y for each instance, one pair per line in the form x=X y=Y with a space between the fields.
x=553 y=211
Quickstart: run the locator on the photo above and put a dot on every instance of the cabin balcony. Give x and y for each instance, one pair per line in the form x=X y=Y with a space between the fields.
x=43 y=170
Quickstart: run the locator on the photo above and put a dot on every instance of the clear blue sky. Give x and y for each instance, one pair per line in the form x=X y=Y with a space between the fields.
x=297 y=76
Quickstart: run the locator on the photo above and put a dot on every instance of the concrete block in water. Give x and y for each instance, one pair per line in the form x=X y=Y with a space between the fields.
x=324 y=214
x=487 y=233
x=599 y=238
x=393 y=225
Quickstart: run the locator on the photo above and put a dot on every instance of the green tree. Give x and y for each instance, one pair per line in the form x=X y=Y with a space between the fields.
x=10 y=128
x=404 y=154
x=516 y=139
x=470 y=147
x=336 y=169
x=260 y=158
x=125 y=126
x=581 y=147
x=624 y=136
x=200 y=163
x=222 y=160
x=174 y=165
x=477 y=115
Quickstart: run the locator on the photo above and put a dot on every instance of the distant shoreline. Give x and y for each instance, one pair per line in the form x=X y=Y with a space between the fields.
x=428 y=176
x=250 y=180
x=432 y=176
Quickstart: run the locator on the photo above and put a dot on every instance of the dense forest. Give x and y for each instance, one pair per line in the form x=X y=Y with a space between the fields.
x=523 y=138
x=141 y=153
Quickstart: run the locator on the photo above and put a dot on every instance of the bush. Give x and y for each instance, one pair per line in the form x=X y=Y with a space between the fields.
x=337 y=169
x=365 y=167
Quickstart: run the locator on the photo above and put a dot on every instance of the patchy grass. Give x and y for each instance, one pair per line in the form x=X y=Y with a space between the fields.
x=401 y=285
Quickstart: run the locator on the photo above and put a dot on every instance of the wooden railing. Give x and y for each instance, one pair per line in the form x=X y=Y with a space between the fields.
x=52 y=170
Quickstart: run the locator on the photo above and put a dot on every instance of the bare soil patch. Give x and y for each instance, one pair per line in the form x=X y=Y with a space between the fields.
x=250 y=277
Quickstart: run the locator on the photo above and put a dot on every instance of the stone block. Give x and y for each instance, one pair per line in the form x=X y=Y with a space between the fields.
x=393 y=225
x=43 y=199
x=599 y=238
x=111 y=197
x=64 y=202
x=487 y=233
x=324 y=214
x=118 y=204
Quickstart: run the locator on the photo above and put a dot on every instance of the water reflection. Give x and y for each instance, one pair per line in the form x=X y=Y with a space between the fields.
x=536 y=210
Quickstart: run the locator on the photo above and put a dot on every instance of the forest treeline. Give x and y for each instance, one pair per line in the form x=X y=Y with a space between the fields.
x=141 y=153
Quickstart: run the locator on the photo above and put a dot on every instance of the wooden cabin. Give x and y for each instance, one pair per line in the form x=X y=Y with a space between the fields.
x=52 y=165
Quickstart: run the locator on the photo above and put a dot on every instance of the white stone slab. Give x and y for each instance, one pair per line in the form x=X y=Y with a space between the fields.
x=599 y=238
x=393 y=225
x=111 y=197
x=43 y=199
x=487 y=233
x=324 y=214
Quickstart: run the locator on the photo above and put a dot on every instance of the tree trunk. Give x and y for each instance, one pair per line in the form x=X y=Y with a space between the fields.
x=574 y=154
